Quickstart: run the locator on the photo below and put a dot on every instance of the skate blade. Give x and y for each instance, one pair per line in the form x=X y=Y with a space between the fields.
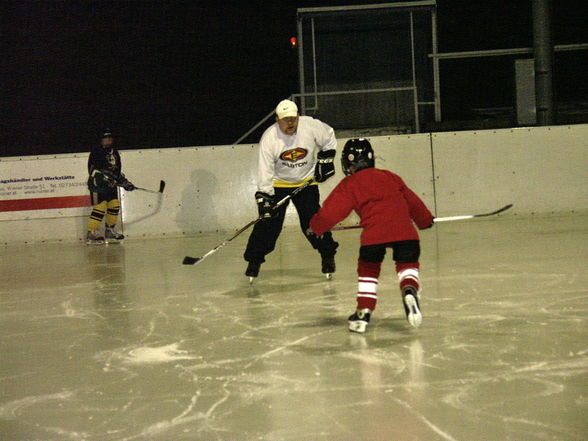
x=358 y=326
x=112 y=241
x=415 y=318
x=94 y=242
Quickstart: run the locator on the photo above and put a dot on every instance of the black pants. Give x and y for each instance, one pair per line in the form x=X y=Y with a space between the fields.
x=262 y=240
x=404 y=251
x=107 y=196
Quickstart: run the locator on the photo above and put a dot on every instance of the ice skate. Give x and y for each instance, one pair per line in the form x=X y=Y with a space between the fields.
x=94 y=238
x=410 y=300
x=112 y=236
x=328 y=266
x=252 y=271
x=359 y=320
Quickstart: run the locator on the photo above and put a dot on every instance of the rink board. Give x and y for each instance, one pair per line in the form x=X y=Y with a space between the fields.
x=211 y=189
x=541 y=170
x=32 y=188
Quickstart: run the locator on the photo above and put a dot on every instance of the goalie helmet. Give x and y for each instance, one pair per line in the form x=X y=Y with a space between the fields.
x=359 y=153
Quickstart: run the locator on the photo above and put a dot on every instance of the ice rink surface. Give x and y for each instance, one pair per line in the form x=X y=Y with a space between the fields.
x=122 y=342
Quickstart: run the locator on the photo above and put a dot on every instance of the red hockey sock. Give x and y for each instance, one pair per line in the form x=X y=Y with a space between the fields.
x=408 y=275
x=367 y=282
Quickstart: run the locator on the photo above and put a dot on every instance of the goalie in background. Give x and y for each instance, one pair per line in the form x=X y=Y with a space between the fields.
x=104 y=167
x=387 y=209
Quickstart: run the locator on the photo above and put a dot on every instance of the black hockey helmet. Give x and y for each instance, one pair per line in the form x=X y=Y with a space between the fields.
x=357 y=152
x=105 y=133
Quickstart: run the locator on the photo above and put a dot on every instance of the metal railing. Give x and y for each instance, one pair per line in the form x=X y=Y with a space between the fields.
x=343 y=92
x=485 y=53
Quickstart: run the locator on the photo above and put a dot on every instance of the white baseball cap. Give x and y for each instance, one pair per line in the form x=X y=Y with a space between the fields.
x=286 y=108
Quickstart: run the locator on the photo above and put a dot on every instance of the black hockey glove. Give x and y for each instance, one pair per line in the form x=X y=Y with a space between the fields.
x=311 y=233
x=105 y=178
x=125 y=183
x=325 y=168
x=265 y=204
x=128 y=186
x=430 y=225
x=101 y=182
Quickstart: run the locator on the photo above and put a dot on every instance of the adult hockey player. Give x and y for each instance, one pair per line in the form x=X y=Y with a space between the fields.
x=104 y=167
x=387 y=209
x=293 y=151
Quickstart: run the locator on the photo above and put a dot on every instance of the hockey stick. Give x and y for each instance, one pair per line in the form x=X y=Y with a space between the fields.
x=441 y=219
x=161 y=187
x=194 y=260
x=471 y=216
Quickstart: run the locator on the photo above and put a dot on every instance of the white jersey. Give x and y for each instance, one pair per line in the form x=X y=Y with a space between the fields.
x=289 y=160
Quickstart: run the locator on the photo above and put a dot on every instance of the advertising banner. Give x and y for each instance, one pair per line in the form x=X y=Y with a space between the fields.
x=43 y=188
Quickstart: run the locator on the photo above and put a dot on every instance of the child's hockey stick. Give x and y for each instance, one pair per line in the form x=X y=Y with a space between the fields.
x=442 y=219
x=194 y=260
x=470 y=216
x=161 y=187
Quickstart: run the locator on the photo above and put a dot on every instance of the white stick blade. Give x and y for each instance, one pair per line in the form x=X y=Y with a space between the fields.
x=451 y=218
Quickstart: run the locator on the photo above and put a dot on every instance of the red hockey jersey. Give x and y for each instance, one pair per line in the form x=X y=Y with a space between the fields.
x=385 y=205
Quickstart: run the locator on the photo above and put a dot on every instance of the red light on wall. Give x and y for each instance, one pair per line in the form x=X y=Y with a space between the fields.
x=293 y=43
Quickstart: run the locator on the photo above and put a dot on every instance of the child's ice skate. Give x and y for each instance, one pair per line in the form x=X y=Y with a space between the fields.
x=359 y=320
x=410 y=300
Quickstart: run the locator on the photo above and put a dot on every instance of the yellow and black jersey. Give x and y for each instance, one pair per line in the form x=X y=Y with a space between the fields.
x=104 y=168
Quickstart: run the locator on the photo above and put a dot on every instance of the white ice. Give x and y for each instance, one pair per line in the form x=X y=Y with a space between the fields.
x=122 y=342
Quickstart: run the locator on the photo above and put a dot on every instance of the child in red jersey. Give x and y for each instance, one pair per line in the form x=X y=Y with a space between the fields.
x=388 y=210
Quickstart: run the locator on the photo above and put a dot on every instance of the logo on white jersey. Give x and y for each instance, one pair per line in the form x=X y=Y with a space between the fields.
x=294 y=155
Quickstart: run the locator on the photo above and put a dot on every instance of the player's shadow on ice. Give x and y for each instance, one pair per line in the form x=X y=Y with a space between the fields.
x=303 y=276
x=270 y=283
x=197 y=203
x=351 y=342
x=323 y=322
x=397 y=325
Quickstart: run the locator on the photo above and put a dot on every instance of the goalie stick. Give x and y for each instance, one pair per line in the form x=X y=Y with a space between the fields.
x=194 y=260
x=161 y=188
x=442 y=219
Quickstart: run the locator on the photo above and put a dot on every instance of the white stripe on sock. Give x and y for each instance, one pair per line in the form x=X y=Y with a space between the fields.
x=409 y=273
x=369 y=296
x=367 y=279
x=367 y=287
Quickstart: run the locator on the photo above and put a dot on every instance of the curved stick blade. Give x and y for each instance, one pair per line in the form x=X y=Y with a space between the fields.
x=190 y=260
x=161 y=186
x=500 y=210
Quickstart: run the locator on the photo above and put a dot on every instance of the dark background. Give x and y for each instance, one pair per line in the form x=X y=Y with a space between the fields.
x=164 y=74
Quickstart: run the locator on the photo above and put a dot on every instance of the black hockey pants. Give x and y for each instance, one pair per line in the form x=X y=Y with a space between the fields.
x=262 y=240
